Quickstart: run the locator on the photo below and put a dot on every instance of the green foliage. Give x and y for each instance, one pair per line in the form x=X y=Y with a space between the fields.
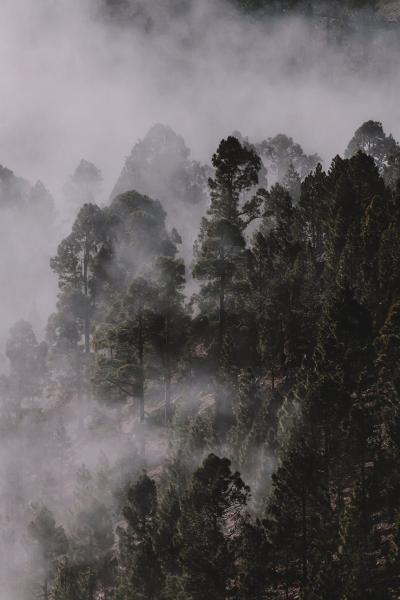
x=51 y=543
x=27 y=360
x=219 y=252
x=372 y=140
x=213 y=504
x=76 y=265
x=287 y=369
x=281 y=154
x=141 y=576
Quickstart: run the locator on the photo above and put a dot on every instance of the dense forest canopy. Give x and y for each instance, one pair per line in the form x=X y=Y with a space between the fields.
x=199 y=374
x=139 y=8
x=240 y=441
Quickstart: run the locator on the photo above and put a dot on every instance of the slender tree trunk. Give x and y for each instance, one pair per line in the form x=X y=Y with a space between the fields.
x=305 y=541
x=327 y=453
x=313 y=228
x=260 y=352
x=86 y=290
x=79 y=389
x=364 y=524
x=167 y=375
x=221 y=328
x=141 y=373
x=87 y=335
x=167 y=394
x=362 y=465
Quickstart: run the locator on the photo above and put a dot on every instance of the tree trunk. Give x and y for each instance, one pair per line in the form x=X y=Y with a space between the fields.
x=305 y=549
x=87 y=335
x=141 y=373
x=141 y=401
x=167 y=395
x=86 y=290
x=167 y=375
x=221 y=328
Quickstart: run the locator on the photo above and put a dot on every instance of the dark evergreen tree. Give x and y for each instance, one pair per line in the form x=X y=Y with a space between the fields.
x=292 y=182
x=372 y=140
x=141 y=575
x=211 y=514
x=220 y=248
x=313 y=207
x=300 y=319
x=52 y=545
x=27 y=360
x=170 y=320
x=75 y=265
x=280 y=151
x=122 y=342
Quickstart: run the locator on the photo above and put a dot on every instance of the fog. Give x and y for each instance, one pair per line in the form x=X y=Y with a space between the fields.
x=76 y=83
x=74 y=86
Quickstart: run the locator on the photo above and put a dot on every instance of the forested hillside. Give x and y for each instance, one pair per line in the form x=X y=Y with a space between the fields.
x=335 y=11
x=200 y=322
x=249 y=432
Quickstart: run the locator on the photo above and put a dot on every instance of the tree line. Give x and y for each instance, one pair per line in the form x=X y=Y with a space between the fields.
x=276 y=384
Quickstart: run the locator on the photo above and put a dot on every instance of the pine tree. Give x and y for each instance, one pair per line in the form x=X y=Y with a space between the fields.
x=141 y=577
x=292 y=182
x=75 y=265
x=280 y=151
x=121 y=344
x=52 y=545
x=220 y=248
x=293 y=509
x=166 y=540
x=253 y=554
x=27 y=360
x=371 y=139
x=91 y=541
x=357 y=567
x=170 y=320
x=313 y=208
x=211 y=515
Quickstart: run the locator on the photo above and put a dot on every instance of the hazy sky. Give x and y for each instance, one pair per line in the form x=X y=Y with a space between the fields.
x=72 y=87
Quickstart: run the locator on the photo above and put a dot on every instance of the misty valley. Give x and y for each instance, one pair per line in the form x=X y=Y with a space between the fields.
x=200 y=332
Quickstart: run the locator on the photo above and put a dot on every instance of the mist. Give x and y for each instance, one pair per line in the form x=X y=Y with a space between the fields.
x=77 y=83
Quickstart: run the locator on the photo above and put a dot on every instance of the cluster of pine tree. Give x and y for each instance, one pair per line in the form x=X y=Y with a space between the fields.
x=138 y=7
x=273 y=387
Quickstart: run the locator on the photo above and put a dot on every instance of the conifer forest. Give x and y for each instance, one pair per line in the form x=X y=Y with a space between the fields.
x=200 y=300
